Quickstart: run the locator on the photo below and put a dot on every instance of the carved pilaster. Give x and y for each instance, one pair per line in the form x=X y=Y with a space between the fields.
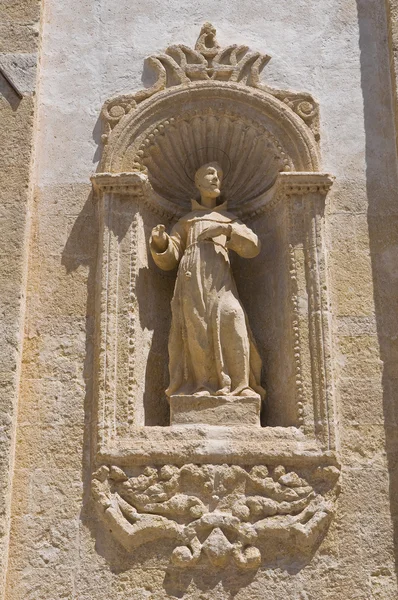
x=305 y=195
x=117 y=203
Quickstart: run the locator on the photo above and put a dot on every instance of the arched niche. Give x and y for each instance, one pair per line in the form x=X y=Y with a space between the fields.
x=209 y=104
x=267 y=142
x=253 y=135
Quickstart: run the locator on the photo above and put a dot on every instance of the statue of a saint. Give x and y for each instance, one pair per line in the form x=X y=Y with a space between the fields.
x=211 y=348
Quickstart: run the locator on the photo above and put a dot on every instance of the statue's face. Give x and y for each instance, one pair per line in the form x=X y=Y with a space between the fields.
x=208 y=181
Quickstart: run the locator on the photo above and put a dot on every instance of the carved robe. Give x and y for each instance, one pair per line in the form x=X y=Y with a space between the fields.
x=211 y=347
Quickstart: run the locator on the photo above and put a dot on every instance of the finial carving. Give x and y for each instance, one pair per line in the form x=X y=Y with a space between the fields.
x=207 y=43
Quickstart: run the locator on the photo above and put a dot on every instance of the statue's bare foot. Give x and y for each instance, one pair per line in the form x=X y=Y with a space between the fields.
x=248 y=392
x=223 y=392
x=202 y=392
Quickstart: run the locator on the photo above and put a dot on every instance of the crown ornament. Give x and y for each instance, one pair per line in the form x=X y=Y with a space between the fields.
x=207 y=61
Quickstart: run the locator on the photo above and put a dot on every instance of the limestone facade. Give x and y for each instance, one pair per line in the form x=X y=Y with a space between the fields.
x=101 y=496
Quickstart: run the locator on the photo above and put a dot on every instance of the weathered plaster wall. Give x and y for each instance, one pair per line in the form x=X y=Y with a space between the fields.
x=338 y=51
x=384 y=251
x=19 y=28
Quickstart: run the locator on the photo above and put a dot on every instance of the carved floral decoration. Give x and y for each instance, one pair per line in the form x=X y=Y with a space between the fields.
x=219 y=512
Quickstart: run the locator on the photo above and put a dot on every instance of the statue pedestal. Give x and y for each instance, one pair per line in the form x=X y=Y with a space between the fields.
x=215 y=410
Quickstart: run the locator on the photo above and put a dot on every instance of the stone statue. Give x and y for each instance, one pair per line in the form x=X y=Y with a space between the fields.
x=211 y=348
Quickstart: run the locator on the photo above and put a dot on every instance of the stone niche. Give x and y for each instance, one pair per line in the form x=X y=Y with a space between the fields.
x=223 y=493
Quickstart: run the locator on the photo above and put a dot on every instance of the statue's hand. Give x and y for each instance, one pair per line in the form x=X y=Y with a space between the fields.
x=214 y=231
x=159 y=238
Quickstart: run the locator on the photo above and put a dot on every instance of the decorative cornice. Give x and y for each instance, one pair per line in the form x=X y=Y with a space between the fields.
x=136 y=183
x=304 y=183
x=122 y=183
x=285 y=186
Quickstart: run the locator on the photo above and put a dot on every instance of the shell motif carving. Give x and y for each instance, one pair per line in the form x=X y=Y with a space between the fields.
x=220 y=513
x=178 y=146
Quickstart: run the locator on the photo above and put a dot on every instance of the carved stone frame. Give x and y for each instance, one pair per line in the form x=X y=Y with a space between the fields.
x=302 y=197
x=127 y=197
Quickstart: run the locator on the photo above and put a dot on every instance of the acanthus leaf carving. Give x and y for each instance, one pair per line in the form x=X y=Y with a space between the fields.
x=222 y=512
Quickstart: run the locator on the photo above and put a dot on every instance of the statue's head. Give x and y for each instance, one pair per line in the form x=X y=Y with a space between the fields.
x=208 y=179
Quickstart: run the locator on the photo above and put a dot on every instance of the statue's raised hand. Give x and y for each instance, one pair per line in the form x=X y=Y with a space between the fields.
x=214 y=231
x=159 y=238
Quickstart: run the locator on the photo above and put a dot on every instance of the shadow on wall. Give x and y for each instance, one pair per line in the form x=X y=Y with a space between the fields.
x=7 y=92
x=81 y=250
x=382 y=193
x=155 y=315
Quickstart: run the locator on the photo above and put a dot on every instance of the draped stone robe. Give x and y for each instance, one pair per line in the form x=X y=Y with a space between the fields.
x=211 y=347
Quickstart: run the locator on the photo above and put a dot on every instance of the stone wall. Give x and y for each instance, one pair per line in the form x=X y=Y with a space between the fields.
x=343 y=53
x=19 y=38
